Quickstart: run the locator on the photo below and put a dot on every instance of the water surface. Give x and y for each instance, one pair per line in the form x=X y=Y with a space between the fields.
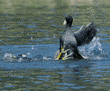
x=33 y=29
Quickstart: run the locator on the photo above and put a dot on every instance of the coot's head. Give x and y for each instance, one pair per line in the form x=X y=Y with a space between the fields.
x=68 y=21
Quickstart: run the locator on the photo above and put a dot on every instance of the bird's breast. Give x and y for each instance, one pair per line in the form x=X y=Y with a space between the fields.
x=69 y=38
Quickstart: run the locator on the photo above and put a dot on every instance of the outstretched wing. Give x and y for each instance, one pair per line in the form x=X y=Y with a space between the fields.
x=85 y=34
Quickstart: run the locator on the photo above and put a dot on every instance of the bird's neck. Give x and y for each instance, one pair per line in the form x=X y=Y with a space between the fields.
x=69 y=30
x=68 y=25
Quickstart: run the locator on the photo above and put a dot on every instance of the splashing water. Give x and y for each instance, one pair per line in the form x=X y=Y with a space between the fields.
x=93 y=49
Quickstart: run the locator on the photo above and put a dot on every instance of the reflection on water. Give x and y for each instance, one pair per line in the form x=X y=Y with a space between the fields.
x=82 y=75
x=33 y=27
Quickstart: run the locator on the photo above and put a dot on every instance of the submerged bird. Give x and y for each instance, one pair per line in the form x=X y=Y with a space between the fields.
x=70 y=40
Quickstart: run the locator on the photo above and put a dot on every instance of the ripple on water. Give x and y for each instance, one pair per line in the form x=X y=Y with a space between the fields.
x=87 y=80
x=64 y=72
x=79 y=87
x=101 y=67
x=103 y=71
x=26 y=90
x=31 y=26
x=44 y=31
x=63 y=87
x=65 y=84
x=1 y=79
x=44 y=79
x=97 y=76
x=18 y=76
x=38 y=82
x=4 y=28
x=101 y=81
x=44 y=76
x=9 y=86
x=107 y=85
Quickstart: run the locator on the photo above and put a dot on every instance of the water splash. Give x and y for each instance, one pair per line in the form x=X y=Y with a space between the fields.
x=9 y=57
x=94 y=49
x=32 y=47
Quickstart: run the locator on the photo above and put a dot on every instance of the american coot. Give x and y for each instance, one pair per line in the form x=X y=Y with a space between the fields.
x=70 y=40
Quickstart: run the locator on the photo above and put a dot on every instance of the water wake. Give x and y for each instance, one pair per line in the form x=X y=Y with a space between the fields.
x=8 y=57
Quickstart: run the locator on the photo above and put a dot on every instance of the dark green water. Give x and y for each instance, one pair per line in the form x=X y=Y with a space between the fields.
x=33 y=28
x=22 y=21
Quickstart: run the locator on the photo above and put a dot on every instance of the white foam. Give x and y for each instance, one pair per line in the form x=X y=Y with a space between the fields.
x=88 y=50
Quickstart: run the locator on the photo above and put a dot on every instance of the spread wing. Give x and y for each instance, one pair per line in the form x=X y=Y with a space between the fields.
x=85 y=34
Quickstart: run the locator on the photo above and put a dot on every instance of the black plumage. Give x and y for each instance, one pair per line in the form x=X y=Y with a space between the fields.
x=70 y=40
